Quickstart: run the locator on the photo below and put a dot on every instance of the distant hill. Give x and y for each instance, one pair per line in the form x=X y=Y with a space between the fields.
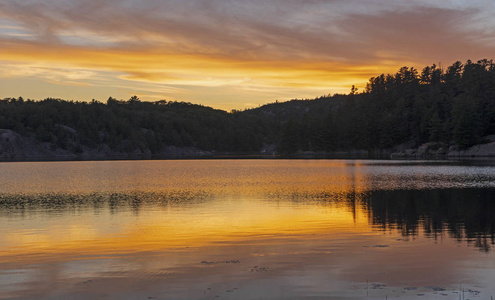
x=415 y=114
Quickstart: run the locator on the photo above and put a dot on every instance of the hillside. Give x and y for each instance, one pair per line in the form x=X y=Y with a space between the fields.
x=435 y=112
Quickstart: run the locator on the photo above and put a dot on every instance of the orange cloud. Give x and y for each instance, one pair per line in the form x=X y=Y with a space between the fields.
x=185 y=69
x=290 y=48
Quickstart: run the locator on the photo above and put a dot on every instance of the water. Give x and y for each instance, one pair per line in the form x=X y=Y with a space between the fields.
x=247 y=229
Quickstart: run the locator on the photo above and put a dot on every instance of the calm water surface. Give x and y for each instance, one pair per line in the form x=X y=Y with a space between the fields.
x=247 y=229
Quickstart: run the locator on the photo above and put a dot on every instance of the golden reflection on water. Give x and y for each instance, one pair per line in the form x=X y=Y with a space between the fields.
x=197 y=229
x=247 y=177
x=157 y=228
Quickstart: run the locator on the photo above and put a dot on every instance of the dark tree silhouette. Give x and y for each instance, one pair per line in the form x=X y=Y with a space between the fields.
x=454 y=106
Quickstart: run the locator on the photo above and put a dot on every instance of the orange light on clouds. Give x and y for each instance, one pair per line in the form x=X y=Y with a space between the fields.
x=226 y=56
x=182 y=70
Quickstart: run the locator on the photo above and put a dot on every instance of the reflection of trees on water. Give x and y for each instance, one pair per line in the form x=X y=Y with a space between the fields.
x=463 y=214
x=16 y=205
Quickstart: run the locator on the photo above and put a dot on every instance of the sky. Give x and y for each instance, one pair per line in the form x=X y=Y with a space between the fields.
x=228 y=54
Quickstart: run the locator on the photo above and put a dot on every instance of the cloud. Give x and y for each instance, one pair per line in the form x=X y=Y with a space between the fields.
x=174 y=68
x=423 y=35
x=57 y=75
x=278 y=30
x=241 y=30
x=225 y=43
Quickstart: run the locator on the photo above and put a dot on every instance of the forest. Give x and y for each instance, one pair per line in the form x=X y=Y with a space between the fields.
x=452 y=106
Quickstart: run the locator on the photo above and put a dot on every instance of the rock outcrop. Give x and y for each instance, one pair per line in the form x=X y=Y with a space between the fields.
x=441 y=150
x=16 y=147
x=484 y=150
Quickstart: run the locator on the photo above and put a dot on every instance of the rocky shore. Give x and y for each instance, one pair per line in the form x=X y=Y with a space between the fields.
x=442 y=150
x=15 y=147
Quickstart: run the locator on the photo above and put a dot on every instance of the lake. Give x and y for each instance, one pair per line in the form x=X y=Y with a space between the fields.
x=247 y=229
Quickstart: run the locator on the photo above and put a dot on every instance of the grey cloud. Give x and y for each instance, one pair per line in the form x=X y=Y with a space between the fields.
x=254 y=30
x=313 y=31
x=423 y=34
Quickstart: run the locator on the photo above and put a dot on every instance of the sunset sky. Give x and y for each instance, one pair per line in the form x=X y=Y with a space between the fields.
x=228 y=54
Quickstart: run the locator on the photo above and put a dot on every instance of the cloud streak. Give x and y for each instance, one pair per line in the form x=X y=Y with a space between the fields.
x=300 y=45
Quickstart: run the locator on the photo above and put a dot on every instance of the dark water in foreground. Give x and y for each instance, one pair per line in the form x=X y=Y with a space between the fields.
x=247 y=229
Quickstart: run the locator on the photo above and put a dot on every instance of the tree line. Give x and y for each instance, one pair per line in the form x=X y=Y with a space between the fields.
x=131 y=125
x=451 y=106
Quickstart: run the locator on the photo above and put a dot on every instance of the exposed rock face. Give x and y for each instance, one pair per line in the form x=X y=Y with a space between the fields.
x=483 y=150
x=427 y=150
x=15 y=146
x=440 y=150
x=183 y=151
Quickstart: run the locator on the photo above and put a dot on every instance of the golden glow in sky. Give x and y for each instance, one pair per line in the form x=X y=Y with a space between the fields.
x=227 y=54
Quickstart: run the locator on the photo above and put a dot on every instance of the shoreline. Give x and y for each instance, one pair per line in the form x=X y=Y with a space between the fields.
x=253 y=156
x=14 y=147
